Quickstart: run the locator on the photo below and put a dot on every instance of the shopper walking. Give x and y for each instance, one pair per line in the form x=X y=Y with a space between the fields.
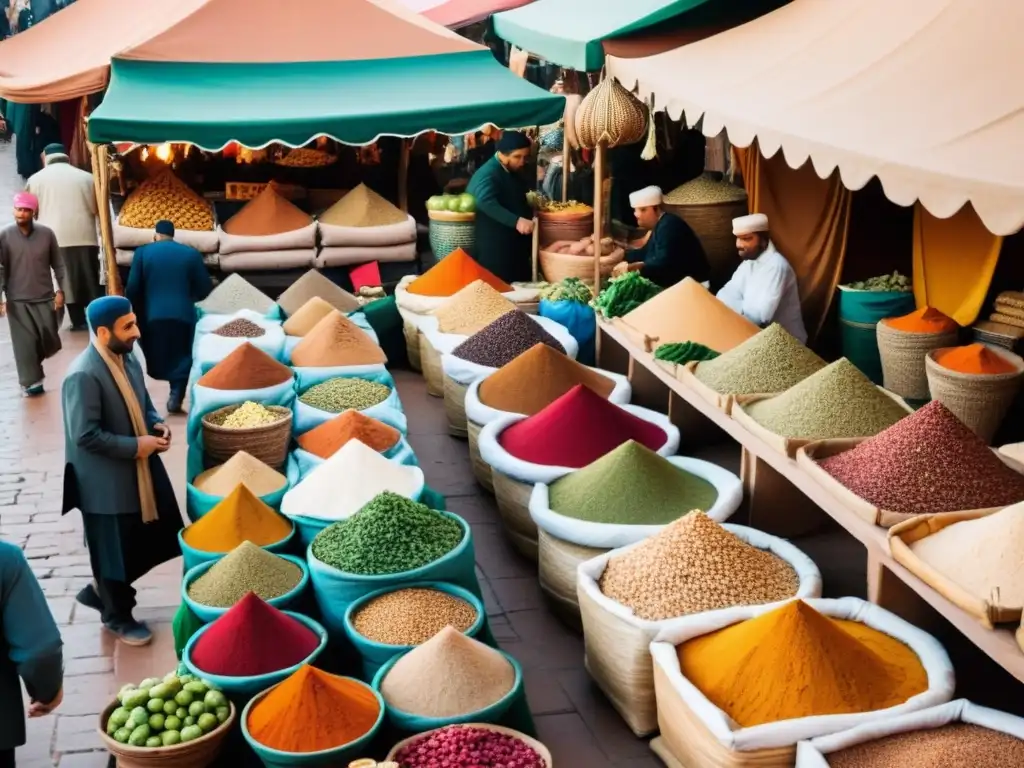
x=113 y=473
x=30 y=649
x=30 y=262
x=67 y=205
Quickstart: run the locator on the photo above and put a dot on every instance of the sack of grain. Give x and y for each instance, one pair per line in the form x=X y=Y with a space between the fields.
x=927 y=726
x=696 y=732
x=617 y=641
x=307 y=416
x=301 y=463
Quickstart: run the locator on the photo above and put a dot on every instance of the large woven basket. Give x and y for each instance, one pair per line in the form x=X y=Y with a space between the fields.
x=430 y=364
x=559 y=266
x=709 y=205
x=535 y=745
x=556 y=570
x=979 y=400
x=555 y=225
x=192 y=754
x=481 y=469
x=455 y=407
x=513 y=499
x=412 y=344
x=268 y=443
x=447 y=235
x=903 y=355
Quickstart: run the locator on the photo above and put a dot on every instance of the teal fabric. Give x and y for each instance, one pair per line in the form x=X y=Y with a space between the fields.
x=335 y=591
x=238 y=688
x=184 y=625
x=206 y=613
x=375 y=655
x=386 y=323
x=859 y=313
x=581 y=322
x=213 y=104
x=570 y=33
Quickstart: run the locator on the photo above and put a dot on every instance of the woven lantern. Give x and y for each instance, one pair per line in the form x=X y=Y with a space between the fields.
x=612 y=114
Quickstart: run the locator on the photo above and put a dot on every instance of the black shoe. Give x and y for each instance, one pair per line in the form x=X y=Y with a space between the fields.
x=87 y=596
x=174 y=403
x=79 y=327
x=130 y=632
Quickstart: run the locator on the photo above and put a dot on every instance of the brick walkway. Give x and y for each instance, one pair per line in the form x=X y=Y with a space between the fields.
x=573 y=718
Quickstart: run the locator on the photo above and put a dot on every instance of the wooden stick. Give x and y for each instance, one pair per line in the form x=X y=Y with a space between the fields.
x=566 y=164
x=599 y=161
x=101 y=186
x=403 y=175
x=536 y=246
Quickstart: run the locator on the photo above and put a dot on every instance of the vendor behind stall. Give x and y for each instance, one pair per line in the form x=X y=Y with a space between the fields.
x=763 y=288
x=504 y=219
x=672 y=250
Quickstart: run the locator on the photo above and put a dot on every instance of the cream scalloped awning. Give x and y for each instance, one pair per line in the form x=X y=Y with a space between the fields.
x=927 y=95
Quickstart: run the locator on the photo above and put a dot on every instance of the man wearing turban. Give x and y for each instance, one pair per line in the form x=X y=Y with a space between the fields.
x=30 y=264
x=113 y=438
x=504 y=218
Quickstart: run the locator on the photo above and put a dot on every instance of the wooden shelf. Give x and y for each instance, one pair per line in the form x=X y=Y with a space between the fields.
x=999 y=644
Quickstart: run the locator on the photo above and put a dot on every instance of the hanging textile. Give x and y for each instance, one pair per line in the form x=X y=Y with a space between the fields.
x=954 y=260
x=809 y=219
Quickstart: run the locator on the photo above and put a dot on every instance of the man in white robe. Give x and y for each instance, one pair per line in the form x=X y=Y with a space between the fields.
x=763 y=288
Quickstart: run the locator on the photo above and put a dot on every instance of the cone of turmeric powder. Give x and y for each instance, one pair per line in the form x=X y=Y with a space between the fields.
x=903 y=344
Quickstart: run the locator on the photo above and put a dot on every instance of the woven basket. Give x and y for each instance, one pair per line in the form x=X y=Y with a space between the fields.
x=430 y=363
x=481 y=469
x=192 y=754
x=535 y=745
x=555 y=226
x=412 y=344
x=513 y=499
x=447 y=235
x=558 y=266
x=455 y=407
x=556 y=568
x=611 y=114
x=979 y=400
x=268 y=443
x=903 y=355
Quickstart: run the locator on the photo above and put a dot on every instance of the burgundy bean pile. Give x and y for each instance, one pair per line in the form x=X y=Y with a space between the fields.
x=504 y=340
x=928 y=462
x=241 y=329
x=463 y=746
x=959 y=745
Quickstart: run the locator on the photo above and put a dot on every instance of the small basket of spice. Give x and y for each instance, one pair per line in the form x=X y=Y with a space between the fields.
x=447 y=744
x=262 y=431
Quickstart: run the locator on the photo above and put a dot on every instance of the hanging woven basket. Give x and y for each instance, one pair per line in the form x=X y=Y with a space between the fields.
x=611 y=114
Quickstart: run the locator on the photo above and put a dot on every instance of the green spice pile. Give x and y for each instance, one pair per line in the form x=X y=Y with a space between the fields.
x=570 y=289
x=248 y=415
x=837 y=401
x=765 y=364
x=683 y=352
x=246 y=568
x=695 y=565
x=412 y=616
x=340 y=394
x=391 y=534
x=632 y=485
x=894 y=283
x=624 y=294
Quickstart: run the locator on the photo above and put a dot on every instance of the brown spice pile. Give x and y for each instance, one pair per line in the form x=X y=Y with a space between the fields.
x=957 y=745
x=472 y=309
x=362 y=207
x=311 y=313
x=246 y=368
x=412 y=616
x=267 y=214
x=331 y=436
x=336 y=342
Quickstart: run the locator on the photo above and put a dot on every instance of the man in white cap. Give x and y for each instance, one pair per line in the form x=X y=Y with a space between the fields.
x=763 y=288
x=672 y=251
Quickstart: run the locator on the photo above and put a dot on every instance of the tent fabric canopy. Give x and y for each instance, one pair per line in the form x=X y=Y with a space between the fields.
x=921 y=95
x=460 y=13
x=569 y=33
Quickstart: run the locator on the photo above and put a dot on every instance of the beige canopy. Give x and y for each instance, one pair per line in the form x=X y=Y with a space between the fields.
x=926 y=95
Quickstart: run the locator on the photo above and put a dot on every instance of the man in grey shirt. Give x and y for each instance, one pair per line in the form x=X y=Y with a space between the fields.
x=29 y=262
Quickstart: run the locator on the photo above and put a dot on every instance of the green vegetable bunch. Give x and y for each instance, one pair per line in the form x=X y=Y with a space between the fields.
x=623 y=294
x=894 y=283
x=684 y=352
x=161 y=713
x=570 y=289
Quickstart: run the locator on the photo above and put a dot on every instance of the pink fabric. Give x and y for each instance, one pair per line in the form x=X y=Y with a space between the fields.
x=26 y=200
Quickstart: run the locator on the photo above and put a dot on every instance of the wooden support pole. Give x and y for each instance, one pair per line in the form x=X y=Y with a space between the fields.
x=599 y=205
x=566 y=164
x=101 y=185
x=403 y=175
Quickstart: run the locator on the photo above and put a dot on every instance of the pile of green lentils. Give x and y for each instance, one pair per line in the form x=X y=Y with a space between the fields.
x=340 y=394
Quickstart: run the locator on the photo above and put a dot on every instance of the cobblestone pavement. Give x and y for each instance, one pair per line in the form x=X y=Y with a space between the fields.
x=572 y=716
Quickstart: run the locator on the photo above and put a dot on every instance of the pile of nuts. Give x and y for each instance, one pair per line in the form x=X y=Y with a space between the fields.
x=165 y=196
x=306 y=158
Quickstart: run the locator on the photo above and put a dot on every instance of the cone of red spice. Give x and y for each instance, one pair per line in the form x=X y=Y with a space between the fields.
x=247 y=367
x=577 y=429
x=253 y=638
x=331 y=436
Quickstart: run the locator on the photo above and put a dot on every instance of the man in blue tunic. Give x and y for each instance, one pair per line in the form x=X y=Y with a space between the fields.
x=30 y=649
x=165 y=281
x=113 y=438
x=672 y=250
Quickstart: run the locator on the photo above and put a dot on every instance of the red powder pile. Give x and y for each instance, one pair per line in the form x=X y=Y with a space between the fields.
x=253 y=638
x=576 y=429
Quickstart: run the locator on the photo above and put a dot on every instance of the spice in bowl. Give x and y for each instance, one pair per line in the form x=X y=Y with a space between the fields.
x=250 y=415
x=468 y=746
x=505 y=339
x=957 y=745
x=340 y=394
x=246 y=367
x=246 y=568
x=412 y=616
x=241 y=328
x=239 y=517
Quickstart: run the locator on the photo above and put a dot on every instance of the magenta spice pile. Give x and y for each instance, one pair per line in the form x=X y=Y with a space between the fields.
x=928 y=462
x=463 y=746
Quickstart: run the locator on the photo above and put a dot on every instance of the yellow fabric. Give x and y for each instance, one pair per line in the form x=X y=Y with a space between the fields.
x=954 y=260
x=809 y=218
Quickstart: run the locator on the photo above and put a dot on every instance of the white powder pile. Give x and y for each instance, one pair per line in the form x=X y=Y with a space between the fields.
x=981 y=555
x=347 y=481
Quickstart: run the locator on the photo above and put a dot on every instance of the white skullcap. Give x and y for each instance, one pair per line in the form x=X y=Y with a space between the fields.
x=645 y=197
x=748 y=225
